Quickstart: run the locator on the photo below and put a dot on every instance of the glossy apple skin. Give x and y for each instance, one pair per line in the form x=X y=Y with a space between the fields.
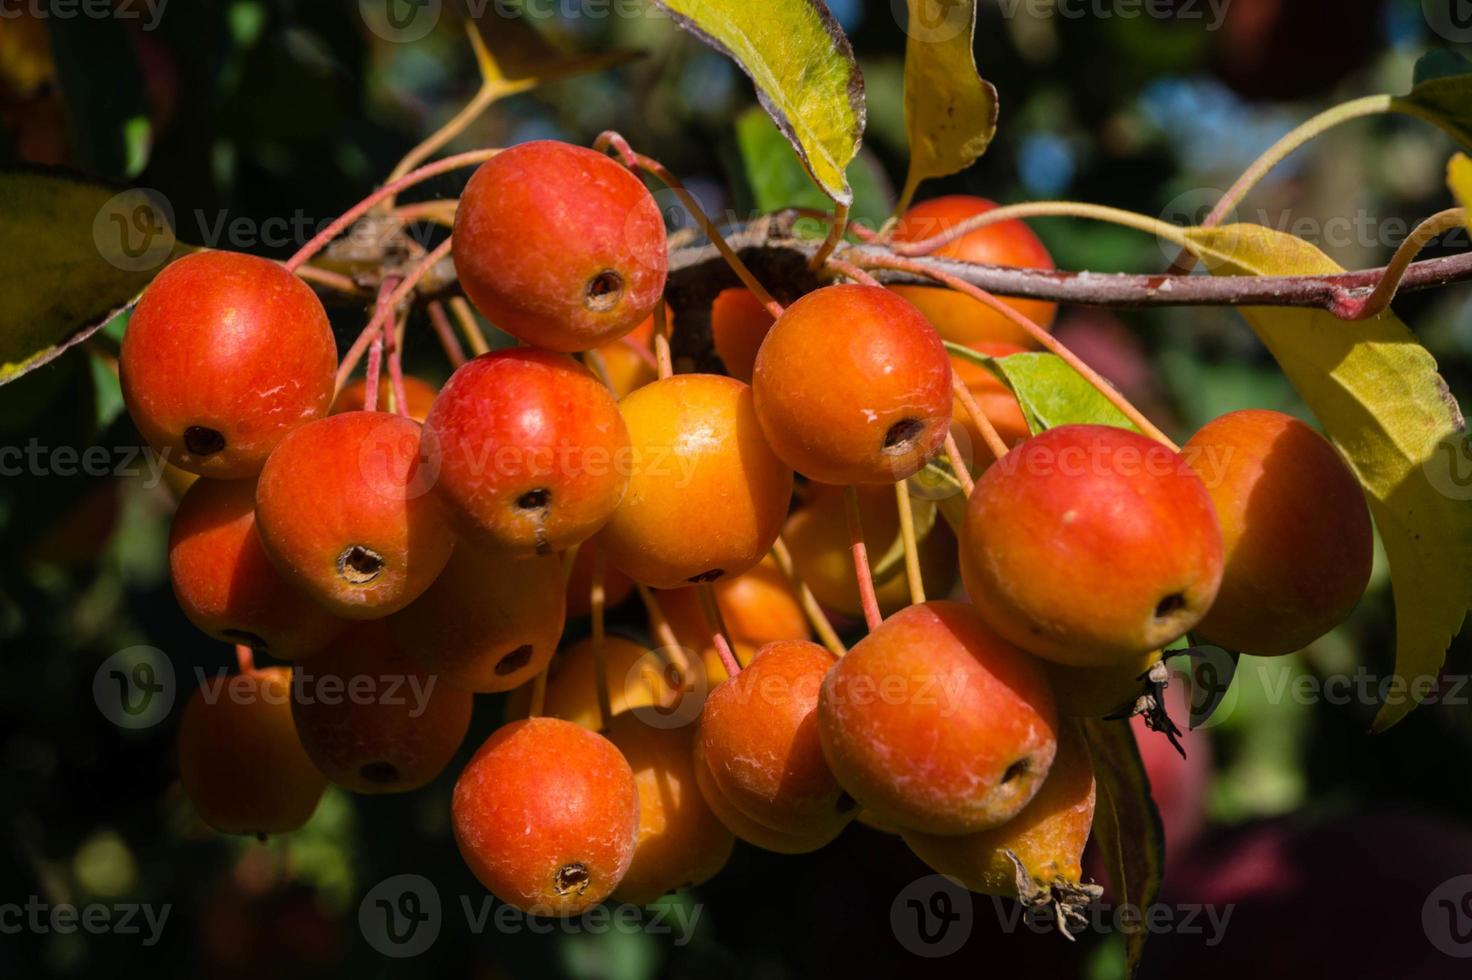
x=225 y=583
x=617 y=587
x=1048 y=836
x=738 y=325
x=545 y=226
x=1295 y=526
x=758 y=606
x=1090 y=545
x=817 y=536
x=530 y=450
x=681 y=843
x=396 y=734
x=348 y=485
x=240 y=760
x=547 y=816
x=759 y=738
x=419 y=395
x=229 y=343
x=706 y=496
x=1098 y=692
x=853 y=386
x=935 y=723
x=995 y=400
x=961 y=318
x=635 y=680
x=488 y=623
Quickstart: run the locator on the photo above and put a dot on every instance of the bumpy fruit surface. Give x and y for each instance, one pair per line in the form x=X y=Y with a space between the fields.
x=935 y=723
x=681 y=843
x=961 y=318
x=530 y=451
x=371 y=719
x=853 y=386
x=488 y=623
x=1295 y=527
x=240 y=761
x=224 y=355
x=419 y=396
x=706 y=495
x=560 y=246
x=547 y=816
x=738 y=325
x=344 y=510
x=1090 y=545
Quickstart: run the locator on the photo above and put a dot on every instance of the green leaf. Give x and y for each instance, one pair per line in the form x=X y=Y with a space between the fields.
x=1377 y=393
x=778 y=180
x=950 y=110
x=1050 y=392
x=1441 y=94
x=804 y=70
x=76 y=254
x=1127 y=824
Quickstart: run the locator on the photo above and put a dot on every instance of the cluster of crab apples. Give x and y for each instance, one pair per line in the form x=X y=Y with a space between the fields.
x=445 y=543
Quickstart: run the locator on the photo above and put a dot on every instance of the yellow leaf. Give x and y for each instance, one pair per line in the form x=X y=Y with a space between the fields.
x=514 y=55
x=950 y=110
x=804 y=70
x=1378 y=395
x=1459 y=179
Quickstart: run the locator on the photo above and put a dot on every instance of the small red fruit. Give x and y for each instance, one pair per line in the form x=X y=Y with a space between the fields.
x=738 y=325
x=759 y=607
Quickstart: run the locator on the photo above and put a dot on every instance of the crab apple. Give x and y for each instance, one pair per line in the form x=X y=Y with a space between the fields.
x=1099 y=692
x=530 y=450
x=993 y=397
x=758 y=606
x=1011 y=243
x=547 y=816
x=560 y=246
x=637 y=678
x=853 y=386
x=418 y=395
x=1038 y=850
x=240 y=760
x=226 y=584
x=224 y=355
x=706 y=495
x=817 y=535
x=759 y=737
x=738 y=325
x=629 y=361
x=680 y=843
x=488 y=623
x=1090 y=545
x=371 y=719
x=1295 y=528
x=344 y=510
x=937 y=724
x=752 y=831
x=617 y=587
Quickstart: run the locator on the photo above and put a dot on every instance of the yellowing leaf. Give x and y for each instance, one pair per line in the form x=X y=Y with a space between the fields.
x=514 y=55
x=950 y=110
x=804 y=70
x=1459 y=179
x=1377 y=393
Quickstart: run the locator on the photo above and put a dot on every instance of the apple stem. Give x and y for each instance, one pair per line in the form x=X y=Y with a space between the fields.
x=989 y=433
x=851 y=271
x=600 y=656
x=809 y=602
x=836 y=231
x=245 y=658
x=440 y=212
x=469 y=327
x=860 y=552
x=912 y=547
x=393 y=333
x=854 y=228
x=335 y=281
x=1038 y=334
x=371 y=375
x=446 y=334
x=539 y=693
x=638 y=161
x=720 y=636
x=958 y=464
x=386 y=308
x=671 y=650
x=663 y=362
x=1422 y=235
x=1045 y=209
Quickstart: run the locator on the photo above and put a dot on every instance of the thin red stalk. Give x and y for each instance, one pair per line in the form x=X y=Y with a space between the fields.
x=245 y=658
x=852 y=271
x=860 y=552
x=395 y=351
x=399 y=295
x=720 y=636
x=446 y=333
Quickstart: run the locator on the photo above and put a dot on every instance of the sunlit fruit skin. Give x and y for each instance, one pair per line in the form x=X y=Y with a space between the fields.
x=344 y=510
x=853 y=386
x=937 y=724
x=418 y=395
x=993 y=397
x=681 y=842
x=225 y=354
x=636 y=679
x=617 y=587
x=371 y=719
x=560 y=246
x=226 y=584
x=758 y=607
x=1099 y=692
x=488 y=623
x=753 y=832
x=817 y=535
x=1047 y=837
x=1011 y=243
x=1090 y=545
x=240 y=760
x=738 y=325
x=759 y=738
x=547 y=816
x=530 y=451
x=1295 y=527
x=706 y=495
